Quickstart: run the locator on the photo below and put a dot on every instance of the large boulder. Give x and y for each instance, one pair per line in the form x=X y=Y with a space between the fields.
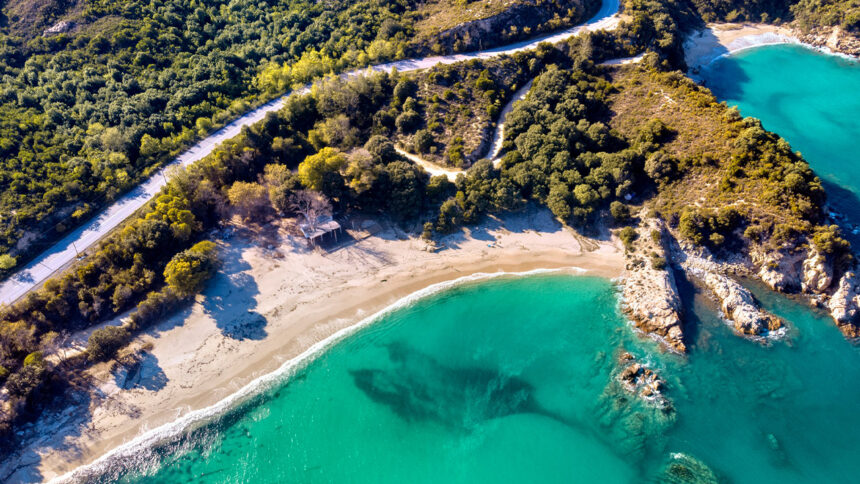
x=817 y=273
x=782 y=271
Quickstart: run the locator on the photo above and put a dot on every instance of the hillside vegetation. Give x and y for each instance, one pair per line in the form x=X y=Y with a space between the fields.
x=593 y=144
x=87 y=112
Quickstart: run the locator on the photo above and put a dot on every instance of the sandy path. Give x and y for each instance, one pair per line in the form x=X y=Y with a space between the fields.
x=267 y=306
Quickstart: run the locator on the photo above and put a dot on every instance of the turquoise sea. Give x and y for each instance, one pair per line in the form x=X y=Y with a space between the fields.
x=512 y=380
x=811 y=99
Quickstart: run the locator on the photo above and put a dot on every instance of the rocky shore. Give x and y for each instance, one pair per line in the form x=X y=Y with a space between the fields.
x=740 y=307
x=808 y=272
x=831 y=38
x=649 y=292
x=652 y=302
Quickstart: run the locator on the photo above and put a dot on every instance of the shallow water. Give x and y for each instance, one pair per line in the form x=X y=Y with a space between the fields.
x=511 y=381
x=811 y=99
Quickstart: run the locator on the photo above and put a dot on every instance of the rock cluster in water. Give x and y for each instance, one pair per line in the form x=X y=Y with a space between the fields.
x=633 y=412
x=643 y=382
x=650 y=294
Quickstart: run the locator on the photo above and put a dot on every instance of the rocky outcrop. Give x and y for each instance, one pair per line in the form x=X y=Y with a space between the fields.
x=740 y=307
x=844 y=305
x=522 y=19
x=59 y=28
x=817 y=274
x=832 y=38
x=650 y=295
x=782 y=271
x=642 y=381
x=737 y=302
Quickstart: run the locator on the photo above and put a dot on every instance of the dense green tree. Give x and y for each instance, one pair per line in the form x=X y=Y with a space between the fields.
x=316 y=166
x=187 y=271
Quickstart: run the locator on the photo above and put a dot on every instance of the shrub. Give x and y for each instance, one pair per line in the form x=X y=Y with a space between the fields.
x=313 y=169
x=619 y=211
x=450 y=216
x=657 y=262
x=426 y=234
x=691 y=227
x=627 y=236
x=188 y=270
x=661 y=167
x=407 y=121
x=248 y=198
x=156 y=305
x=7 y=262
x=423 y=140
x=4 y=374
x=23 y=382
x=105 y=342
x=34 y=358
x=455 y=152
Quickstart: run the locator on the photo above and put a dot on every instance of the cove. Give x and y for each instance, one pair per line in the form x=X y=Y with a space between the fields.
x=809 y=98
x=512 y=380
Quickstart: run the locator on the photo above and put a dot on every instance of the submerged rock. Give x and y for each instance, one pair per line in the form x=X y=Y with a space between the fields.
x=740 y=307
x=685 y=469
x=633 y=413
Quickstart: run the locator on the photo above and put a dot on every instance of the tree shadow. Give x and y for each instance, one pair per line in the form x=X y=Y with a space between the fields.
x=142 y=372
x=687 y=292
x=846 y=204
x=531 y=219
x=229 y=298
x=723 y=75
x=65 y=420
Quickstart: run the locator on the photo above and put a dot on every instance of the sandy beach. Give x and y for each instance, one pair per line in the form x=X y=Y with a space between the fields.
x=716 y=40
x=273 y=299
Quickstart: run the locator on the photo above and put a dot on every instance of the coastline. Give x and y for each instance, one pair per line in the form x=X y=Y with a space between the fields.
x=718 y=40
x=307 y=301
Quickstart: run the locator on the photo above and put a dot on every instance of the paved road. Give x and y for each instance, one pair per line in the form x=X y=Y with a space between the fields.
x=65 y=251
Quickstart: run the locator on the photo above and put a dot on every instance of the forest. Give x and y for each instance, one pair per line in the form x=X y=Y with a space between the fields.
x=588 y=142
x=89 y=112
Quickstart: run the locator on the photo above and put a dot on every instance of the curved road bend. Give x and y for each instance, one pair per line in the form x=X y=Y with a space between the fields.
x=65 y=251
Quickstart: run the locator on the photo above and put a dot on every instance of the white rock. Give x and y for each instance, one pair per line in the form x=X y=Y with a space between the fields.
x=817 y=273
x=844 y=302
x=739 y=305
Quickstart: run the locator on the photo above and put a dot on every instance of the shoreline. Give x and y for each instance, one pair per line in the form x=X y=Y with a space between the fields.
x=307 y=304
x=720 y=40
x=282 y=375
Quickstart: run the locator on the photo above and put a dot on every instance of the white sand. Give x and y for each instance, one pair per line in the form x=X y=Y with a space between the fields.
x=716 y=40
x=267 y=306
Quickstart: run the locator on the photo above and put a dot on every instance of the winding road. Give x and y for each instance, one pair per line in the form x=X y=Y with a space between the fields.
x=66 y=250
